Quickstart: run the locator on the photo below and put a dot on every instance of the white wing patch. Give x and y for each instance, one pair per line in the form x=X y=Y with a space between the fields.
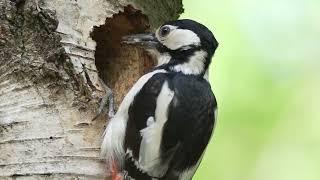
x=112 y=144
x=149 y=157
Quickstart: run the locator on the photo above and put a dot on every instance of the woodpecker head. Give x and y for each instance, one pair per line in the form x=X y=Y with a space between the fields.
x=182 y=46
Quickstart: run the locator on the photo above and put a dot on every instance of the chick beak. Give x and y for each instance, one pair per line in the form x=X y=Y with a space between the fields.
x=146 y=40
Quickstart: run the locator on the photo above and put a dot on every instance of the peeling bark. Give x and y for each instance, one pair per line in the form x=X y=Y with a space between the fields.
x=51 y=56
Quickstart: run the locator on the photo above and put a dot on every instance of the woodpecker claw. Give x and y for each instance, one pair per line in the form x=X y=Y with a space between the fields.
x=106 y=101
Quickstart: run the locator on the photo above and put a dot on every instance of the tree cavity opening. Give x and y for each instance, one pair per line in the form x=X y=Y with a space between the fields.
x=119 y=65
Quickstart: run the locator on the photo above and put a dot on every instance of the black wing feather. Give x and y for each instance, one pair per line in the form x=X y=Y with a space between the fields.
x=190 y=122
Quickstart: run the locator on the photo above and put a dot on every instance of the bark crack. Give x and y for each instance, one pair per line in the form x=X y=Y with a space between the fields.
x=31 y=139
x=87 y=77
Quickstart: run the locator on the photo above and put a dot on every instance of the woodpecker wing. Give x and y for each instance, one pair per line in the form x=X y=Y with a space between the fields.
x=190 y=123
x=147 y=115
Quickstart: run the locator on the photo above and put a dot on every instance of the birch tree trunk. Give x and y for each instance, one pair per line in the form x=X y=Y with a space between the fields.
x=52 y=53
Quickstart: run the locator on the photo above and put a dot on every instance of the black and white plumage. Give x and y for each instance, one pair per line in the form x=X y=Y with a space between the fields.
x=165 y=121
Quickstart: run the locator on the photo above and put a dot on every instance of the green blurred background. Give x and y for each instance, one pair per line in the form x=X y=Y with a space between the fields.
x=265 y=75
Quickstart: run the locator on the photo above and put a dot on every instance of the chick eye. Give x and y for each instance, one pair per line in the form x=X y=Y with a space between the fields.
x=164 y=31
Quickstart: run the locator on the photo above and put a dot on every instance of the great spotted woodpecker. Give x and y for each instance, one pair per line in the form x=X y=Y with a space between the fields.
x=165 y=121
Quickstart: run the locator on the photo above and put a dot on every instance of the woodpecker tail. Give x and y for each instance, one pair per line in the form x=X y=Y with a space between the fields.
x=112 y=144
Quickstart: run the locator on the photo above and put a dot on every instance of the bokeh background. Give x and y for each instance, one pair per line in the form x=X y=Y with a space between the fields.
x=266 y=77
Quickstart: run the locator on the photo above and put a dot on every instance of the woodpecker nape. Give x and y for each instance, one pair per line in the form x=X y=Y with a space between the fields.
x=164 y=123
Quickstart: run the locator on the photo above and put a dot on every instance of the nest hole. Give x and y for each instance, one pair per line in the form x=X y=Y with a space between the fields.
x=119 y=65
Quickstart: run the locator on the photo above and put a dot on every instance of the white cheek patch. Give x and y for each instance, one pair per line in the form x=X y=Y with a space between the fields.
x=178 y=38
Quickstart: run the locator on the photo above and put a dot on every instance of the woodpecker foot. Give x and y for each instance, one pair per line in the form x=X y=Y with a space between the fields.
x=106 y=101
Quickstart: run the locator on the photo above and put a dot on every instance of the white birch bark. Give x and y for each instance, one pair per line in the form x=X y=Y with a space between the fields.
x=49 y=83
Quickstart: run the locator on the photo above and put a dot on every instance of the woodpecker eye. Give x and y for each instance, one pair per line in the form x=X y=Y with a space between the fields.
x=164 y=31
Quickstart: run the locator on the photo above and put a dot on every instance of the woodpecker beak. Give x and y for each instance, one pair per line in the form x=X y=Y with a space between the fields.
x=148 y=40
